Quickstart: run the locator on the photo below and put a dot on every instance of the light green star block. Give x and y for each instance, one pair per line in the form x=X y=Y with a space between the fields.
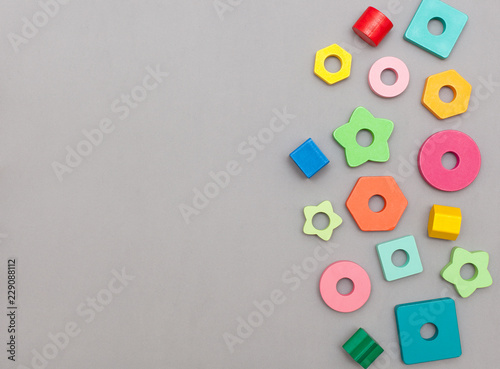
x=378 y=150
x=326 y=208
x=480 y=279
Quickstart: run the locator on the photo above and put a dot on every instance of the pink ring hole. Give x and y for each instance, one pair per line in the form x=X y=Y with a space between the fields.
x=468 y=160
x=360 y=291
x=375 y=77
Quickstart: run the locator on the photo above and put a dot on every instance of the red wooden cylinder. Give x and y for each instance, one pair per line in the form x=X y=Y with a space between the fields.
x=372 y=26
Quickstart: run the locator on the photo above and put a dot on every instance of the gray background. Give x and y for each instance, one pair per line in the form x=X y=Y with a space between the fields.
x=120 y=207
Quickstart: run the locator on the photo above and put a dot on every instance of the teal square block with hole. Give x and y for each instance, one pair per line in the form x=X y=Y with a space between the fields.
x=453 y=21
x=413 y=264
x=444 y=344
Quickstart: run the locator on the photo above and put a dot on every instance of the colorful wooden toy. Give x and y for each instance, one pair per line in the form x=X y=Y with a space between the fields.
x=453 y=22
x=412 y=266
x=481 y=278
x=309 y=158
x=360 y=291
x=326 y=208
x=372 y=26
x=375 y=77
x=378 y=150
x=461 y=92
x=384 y=220
x=468 y=160
x=337 y=52
x=444 y=222
x=445 y=344
x=362 y=348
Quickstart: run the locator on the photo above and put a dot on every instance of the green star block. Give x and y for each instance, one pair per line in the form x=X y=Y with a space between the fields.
x=378 y=150
x=480 y=279
x=326 y=208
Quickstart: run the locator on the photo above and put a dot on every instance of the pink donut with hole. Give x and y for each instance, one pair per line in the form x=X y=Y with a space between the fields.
x=360 y=291
x=398 y=67
x=457 y=143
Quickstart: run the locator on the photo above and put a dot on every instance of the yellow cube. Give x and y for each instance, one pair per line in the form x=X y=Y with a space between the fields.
x=444 y=222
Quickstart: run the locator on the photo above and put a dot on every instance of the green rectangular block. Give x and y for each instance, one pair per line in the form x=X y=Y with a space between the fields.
x=362 y=348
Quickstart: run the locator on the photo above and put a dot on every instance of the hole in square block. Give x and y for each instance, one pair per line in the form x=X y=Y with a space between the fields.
x=429 y=331
x=436 y=26
x=400 y=258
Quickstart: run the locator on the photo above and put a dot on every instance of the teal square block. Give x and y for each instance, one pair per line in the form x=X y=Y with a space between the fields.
x=453 y=22
x=362 y=348
x=445 y=344
x=309 y=158
x=413 y=263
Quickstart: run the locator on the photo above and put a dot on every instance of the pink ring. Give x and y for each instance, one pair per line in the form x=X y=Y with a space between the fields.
x=468 y=160
x=360 y=291
x=398 y=67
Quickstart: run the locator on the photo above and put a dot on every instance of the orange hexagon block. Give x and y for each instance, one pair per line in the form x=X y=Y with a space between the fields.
x=384 y=220
x=461 y=91
x=337 y=52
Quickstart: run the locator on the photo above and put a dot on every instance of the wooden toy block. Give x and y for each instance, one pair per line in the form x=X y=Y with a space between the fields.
x=362 y=348
x=453 y=22
x=461 y=94
x=309 y=158
x=413 y=264
x=360 y=291
x=384 y=220
x=445 y=344
x=481 y=278
x=400 y=70
x=372 y=26
x=326 y=208
x=444 y=222
x=381 y=130
x=345 y=64
x=457 y=143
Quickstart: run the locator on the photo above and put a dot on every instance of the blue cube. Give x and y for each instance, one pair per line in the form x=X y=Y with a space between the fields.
x=309 y=158
x=453 y=22
x=445 y=344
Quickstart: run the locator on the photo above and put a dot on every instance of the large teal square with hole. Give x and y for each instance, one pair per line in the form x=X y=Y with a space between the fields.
x=444 y=344
x=413 y=264
x=453 y=21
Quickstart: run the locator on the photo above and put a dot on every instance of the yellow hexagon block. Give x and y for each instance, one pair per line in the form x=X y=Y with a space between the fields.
x=444 y=222
x=461 y=91
x=345 y=64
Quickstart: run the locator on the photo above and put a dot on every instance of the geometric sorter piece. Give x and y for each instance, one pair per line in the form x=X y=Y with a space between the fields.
x=480 y=279
x=360 y=291
x=326 y=208
x=358 y=203
x=461 y=94
x=309 y=158
x=372 y=26
x=362 y=348
x=412 y=266
x=445 y=344
x=395 y=65
x=453 y=22
x=468 y=160
x=345 y=64
x=378 y=150
x=444 y=222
